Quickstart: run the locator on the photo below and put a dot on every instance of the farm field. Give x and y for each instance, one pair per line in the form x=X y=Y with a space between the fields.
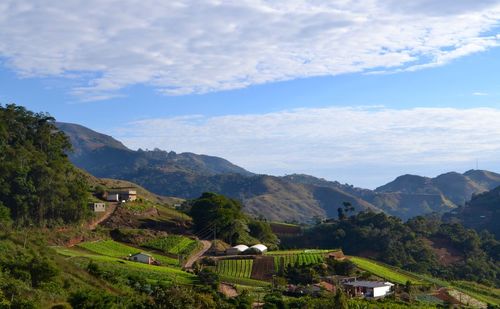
x=480 y=292
x=282 y=261
x=122 y=268
x=174 y=244
x=118 y=250
x=235 y=268
x=386 y=272
x=298 y=251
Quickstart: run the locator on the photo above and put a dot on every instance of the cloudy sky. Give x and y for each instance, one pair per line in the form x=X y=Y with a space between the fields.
x=355 y=91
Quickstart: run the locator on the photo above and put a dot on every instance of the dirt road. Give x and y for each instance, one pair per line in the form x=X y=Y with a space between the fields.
x=193 y=258
x=109 y=211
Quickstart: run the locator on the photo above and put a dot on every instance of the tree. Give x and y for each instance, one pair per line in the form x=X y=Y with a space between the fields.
x=340 y=300
x=38 y=183
x=224 y=215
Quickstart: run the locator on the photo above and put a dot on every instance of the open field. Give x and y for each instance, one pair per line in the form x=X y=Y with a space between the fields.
x=118 y=250
x=480 y=292
x=244 y=281
x=235 y=268
x=123 y=268
x=386 y=272
x=174 y=244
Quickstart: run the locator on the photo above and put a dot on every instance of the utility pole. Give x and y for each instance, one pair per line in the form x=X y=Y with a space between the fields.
x=214 y=245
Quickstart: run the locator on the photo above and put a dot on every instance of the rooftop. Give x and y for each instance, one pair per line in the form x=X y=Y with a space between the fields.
x=368 y=284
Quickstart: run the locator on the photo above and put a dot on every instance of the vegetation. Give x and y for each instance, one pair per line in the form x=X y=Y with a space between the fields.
x=38 y=184
x=409 y=245
x=115 y=249
x=174 y=244
x=241 y=268
x=214 y=212
x=385 y=272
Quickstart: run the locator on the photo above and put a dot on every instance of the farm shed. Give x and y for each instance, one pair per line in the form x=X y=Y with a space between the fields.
x=236 y=249
x=142 y=258
x=113 y=197
x=370 y=289
x=124 y=195
x=98 y=207
x=259 y=247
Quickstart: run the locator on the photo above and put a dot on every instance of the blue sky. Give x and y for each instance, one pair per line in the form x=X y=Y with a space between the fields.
x=359 y=93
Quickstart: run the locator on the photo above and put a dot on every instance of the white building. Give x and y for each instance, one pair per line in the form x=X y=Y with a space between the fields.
x=260 y=247
x=236 y=249
x=113 y=197
x=98 y=207
x=142 y=258
x=371 y=289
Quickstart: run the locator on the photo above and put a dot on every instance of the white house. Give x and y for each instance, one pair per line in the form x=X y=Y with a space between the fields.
x=98 y=207
x=142 y=258
x=236 y=249
x=260 y=247
x=371 y=289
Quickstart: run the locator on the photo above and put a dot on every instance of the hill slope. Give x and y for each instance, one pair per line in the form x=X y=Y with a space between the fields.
x=482 y=212
x=289 y=198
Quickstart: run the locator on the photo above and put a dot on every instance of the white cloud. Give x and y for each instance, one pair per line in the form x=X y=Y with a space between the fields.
x=324 y=139
x=192 y=46
x=479 y=93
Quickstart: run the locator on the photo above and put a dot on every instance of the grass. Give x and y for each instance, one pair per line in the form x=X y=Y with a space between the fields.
x=385 y=272
x=235 y=268
x=478 y=291
x=244 y=281
x=174 y=244
x=123 y=268
x=118 y=250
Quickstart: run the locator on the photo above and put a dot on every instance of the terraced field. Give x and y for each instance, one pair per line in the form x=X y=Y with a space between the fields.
x=174 y=244
x=118 y=250
x=118 y=267
x=388 y=273
x=235 y=268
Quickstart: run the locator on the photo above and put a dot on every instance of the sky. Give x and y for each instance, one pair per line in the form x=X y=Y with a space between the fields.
x=355 y=91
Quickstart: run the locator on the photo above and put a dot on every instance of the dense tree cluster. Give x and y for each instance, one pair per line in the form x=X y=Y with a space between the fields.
x=408 y=245
x=38 y=184
x=224 y=215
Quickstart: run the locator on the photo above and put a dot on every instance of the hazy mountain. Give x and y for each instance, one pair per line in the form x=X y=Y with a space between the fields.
x=482 y=212
x=104 y=156
x=293 y=197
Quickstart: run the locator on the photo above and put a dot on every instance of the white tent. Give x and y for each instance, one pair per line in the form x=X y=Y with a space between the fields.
x=236 y=249
x=259 y=247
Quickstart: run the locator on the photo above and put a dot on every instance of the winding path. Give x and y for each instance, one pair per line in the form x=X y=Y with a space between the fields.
x=193 y=258
x=109 y=211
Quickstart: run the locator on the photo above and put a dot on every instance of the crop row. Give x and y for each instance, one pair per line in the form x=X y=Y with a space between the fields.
x=300 y=259
x=175 y=244
x=115 y=249
x=235 y=268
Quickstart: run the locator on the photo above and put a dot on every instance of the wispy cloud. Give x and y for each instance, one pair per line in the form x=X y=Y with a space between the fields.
x=479 y=93
x=182 y=47
x=312 y=140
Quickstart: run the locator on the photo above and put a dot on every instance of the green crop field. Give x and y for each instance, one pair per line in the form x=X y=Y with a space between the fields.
x=290 y=252
x=285 y=258
x=235 y=268
x=122 y=268
x=386 y=272
x=175 y=244
x=115 y=249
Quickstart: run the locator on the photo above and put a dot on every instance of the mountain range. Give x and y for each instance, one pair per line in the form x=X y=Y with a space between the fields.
x=294 y=197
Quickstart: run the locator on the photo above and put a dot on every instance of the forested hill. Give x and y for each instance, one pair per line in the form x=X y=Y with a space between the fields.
x=481 y=213
x=38 y=184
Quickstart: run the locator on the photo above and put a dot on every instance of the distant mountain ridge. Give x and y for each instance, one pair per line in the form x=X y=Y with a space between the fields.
x=294 y=197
